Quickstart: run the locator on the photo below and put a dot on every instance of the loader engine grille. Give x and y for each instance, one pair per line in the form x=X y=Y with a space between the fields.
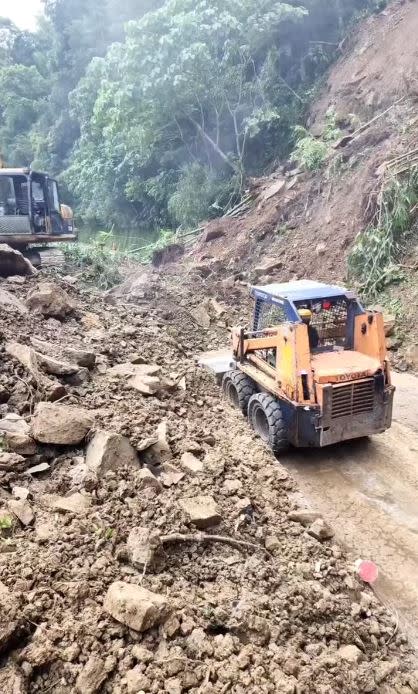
x=352 y=398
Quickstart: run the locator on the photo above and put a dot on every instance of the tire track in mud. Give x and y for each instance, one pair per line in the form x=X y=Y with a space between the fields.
x=368 y=490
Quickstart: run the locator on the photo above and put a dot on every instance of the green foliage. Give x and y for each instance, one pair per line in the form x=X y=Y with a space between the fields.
x=6 y=523
x=311 y=152
x=99 y=260
x=377 y=250
x=198 y=196
x=121 y=98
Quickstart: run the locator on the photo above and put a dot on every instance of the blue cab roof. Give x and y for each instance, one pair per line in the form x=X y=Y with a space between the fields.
x=299 y=290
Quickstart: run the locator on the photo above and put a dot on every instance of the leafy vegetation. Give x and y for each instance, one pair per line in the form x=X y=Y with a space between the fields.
x=154 y=112
x=311 y=152
x=374 y=260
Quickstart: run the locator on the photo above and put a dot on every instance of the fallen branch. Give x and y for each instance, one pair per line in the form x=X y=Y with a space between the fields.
x=349 y=138
x=203 y=537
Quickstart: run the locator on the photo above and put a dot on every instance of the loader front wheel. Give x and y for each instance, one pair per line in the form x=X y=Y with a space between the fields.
x=266 y=418
x=238 y=389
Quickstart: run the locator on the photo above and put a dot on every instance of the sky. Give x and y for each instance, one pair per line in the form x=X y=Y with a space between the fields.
x=21 y=12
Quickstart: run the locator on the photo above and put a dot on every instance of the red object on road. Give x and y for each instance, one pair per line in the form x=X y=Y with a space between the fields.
x=367 y=570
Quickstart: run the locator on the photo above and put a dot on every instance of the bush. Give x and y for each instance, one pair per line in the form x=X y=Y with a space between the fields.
x=98 y=259
x=377 y=250
x=310 y=152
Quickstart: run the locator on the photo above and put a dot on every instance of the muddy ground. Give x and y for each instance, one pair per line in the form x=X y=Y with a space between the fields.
x=283 y=612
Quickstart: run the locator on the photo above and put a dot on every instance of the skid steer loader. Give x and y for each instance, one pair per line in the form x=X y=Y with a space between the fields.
x=312 y=371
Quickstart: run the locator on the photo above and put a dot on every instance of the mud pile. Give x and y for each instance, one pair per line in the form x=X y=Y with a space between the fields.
x=164 y=551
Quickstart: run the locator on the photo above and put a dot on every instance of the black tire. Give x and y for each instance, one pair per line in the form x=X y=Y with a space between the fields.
x=238 y=389
x=266 y=418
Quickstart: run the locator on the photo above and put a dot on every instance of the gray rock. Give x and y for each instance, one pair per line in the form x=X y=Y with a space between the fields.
x=192 y=464
x=320 y=530
x=22 y=510
x=350 y=653
x=303 y=516
x=50 y=300
x=110 y=451
x=12 y=262
x=92 y=676
x=75 y=503
x=11 y=303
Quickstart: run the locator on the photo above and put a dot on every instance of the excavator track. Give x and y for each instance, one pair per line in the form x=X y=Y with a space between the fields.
x=45 y=257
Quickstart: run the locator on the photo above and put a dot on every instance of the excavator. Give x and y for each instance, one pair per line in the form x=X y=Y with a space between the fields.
x=312 y=370
x=31 y=213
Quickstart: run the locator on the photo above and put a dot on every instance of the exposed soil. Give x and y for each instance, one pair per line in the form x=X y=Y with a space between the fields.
x=272 y=617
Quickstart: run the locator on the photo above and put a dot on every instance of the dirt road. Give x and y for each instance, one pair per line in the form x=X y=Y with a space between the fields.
x=369 y=492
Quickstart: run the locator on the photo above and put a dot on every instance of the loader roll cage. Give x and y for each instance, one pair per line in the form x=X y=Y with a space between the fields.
x=333 y=311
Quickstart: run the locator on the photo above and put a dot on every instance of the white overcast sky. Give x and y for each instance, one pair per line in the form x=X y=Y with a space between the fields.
x=21 y=12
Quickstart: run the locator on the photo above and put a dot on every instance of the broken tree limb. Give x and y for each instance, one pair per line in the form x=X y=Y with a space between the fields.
x=203 y=537
x=344 y=141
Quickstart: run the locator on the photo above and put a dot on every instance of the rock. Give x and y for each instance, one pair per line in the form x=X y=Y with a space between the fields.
x=216 y=308
x=134 y=606
x=213 y=233
x=110 y=451
x=141 y=545
x=14 y=424
x=320 y=249
x=12 y=262
x=267 y=267
x=283 y=683
x=61 y=424
x=79 y=356
x=27 y=357
x=202 y=511
x=75 y=503
x=389 y=322
x=411 y=356
x=92 y=676
x=320 y=530
x=42 y=467
x=173 y=686
x=192 y=464
x=56 y=367
x=50 y=300
x=350 y=653
x=201 y=317
x=9 y=461
x=19 y=443
x=160 y=450
x=170 y=475
x=271 y=543
x=12 y=680
x=20 y=493
x=303 y=516
x=413 y=681
x=46 y=531
x=148 y=480
x=141 y=377
x=136 y=681
x=22 y=510
x=385 y=669
x=142 y=654
x=10 y=303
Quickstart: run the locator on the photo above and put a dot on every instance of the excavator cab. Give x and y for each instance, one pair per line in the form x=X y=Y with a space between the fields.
x=309 y=383
x=31 y=210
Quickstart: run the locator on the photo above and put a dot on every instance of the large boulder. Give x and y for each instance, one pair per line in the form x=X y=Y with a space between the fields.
x=50 y=299
x=12 y=262
x=134 y=606
x=61 y=424
x=109 y=451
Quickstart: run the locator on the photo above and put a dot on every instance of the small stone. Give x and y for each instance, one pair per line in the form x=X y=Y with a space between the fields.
x=142 y=654
x=136 y=681
x=350 y=653
x=320 y=530
x=385 y=669
x=171 y=627
x=272 y=542
x=134 y=606
x=20 y=493
x=148 y=480
x=92 y=676
x=170 y=475
x=19 y=443
x=201 y=317
x=61 y=424
x=75 y=503
x=173 y=686
x=110 y=451
x=192 y=464
x=203 y=511
x=14 y=424
x=283 y=683
x=232 y=485
x=304 y=517
x=50 y=300
x=141 y=545
x=22 y=510
x=10 y=460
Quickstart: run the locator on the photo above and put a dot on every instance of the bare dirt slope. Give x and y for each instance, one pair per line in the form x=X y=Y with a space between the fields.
x=281 y=612
x=308 y=226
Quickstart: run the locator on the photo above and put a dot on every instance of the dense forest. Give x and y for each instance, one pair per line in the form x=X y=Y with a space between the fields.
x=153 y=113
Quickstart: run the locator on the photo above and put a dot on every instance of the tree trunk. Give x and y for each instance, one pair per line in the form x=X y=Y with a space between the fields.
x=214 y=146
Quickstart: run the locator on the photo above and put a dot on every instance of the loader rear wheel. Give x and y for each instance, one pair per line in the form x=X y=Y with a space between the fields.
x=238 y=389
x=266 y=418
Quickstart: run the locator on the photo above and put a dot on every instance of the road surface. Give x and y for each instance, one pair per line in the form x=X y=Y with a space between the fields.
x=368 y=491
